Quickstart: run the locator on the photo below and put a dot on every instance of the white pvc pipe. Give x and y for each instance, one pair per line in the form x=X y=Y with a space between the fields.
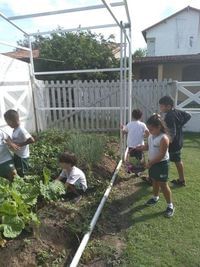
x=57 y=12
x=76 y=71
x=86 y=237
x=82 y=108
x=15 y=46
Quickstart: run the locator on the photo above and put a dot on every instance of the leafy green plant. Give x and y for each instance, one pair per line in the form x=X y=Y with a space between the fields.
x=16 y=202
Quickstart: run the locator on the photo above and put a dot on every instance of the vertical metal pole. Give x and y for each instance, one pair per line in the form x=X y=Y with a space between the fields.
x=121 y=90
x=33 y=83
x=130 y=79
x=125 y=86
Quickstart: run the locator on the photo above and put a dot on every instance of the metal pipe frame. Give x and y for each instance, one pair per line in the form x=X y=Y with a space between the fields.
x=13 y=24
x=75 y=29
x=71 y=10
x=109 y=7
x=77 y=71
x=15 y=46
x=82 y=108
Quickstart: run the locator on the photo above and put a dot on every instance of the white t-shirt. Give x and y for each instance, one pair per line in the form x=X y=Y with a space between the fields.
x=136 y=130
x=20 y=135
x=5 y=154
x=75 y=177
x=154 y=147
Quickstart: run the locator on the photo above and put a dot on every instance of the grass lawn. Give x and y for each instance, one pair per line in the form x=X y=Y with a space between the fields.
x=156 y=241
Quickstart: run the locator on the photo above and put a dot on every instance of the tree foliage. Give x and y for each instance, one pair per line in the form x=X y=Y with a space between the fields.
x=141 y=52
x=74 y=51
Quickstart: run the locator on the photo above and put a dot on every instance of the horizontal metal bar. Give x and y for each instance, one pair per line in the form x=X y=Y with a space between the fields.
x=194 y=83
x=15 y=46
x=82 y=108
x=64 y=11
x=75 y=29
x=13 y=24
x=77 y=71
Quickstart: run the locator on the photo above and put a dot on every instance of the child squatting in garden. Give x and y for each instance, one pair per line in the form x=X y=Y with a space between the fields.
x=73 y=177
x=21 y=139
x=158 y=156
x=136 y=131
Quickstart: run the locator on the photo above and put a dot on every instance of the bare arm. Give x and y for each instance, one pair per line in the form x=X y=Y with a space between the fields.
x=30 y=140
x=146 y=133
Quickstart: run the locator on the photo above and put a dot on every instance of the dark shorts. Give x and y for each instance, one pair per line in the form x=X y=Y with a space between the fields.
x=136 y=154
x=159 y=171
x=175 y=156
x=21 y=165
x=7 y=168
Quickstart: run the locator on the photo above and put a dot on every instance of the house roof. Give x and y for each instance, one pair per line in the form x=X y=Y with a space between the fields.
x=193 y=58
x=22 y=54
x=173 y=15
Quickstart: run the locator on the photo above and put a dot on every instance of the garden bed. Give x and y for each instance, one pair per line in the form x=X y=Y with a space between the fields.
x=62 y=223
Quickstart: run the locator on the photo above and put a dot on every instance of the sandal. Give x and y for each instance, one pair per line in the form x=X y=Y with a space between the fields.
x=178 y=182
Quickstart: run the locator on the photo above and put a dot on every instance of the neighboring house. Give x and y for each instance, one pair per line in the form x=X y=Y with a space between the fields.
x=173 y=48
x=178 y=34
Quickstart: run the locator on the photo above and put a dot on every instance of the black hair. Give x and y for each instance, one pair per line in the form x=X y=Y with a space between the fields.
x=156 y=121
x=12 y=115
x=166 y=100
x=66 y=157
x=137 y=114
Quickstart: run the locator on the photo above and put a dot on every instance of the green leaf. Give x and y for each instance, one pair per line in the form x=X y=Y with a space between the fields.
x=8 y=208
x=12 y=226
x=47 y=175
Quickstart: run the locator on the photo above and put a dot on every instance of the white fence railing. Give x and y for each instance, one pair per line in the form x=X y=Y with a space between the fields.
x=93 y=105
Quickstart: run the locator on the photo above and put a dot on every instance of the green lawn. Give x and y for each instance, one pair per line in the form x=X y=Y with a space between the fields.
x=156 y=241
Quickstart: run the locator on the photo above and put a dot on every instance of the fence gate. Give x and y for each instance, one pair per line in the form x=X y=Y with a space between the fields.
x=188 y=99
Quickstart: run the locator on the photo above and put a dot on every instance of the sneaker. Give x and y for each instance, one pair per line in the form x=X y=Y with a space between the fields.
x=151 y=202
x=178 y=182
x=169 y=212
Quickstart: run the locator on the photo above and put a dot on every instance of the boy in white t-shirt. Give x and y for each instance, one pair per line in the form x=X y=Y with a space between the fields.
x=136 y=131
x=21 y=138
x=73 y=177
x=7 y=169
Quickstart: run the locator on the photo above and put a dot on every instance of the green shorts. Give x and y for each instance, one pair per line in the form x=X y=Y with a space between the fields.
x=159 y=171
x=6 y=169
x=21 y=165
x=175 y=156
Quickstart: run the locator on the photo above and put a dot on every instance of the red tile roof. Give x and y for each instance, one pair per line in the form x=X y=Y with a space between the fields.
x=21 y=54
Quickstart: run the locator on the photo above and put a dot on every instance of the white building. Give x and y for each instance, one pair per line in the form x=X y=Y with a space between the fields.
x=178 y=34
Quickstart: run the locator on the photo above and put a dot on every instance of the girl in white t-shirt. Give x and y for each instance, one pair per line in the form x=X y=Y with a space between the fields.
x=136 y=131
x=73 y=177
x=158 y=162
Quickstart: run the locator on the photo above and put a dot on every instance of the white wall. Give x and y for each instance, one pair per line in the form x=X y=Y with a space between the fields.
x=173 y=36
x=16 y=92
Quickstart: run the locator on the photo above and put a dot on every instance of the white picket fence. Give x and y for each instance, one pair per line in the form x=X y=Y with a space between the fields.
x=70 y=105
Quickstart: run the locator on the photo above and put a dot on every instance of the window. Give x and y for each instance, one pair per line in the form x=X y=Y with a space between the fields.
x=191 y=41
x=151 y=46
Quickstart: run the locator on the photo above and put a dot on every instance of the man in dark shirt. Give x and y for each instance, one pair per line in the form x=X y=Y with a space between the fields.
x=175 y=119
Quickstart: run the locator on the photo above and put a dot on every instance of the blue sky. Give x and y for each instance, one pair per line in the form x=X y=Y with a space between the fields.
x=143 y=13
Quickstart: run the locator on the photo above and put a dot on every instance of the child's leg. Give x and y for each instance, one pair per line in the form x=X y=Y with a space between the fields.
x=71 y=188
x=179 y=167
x=156 y=188
x=166 y=192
